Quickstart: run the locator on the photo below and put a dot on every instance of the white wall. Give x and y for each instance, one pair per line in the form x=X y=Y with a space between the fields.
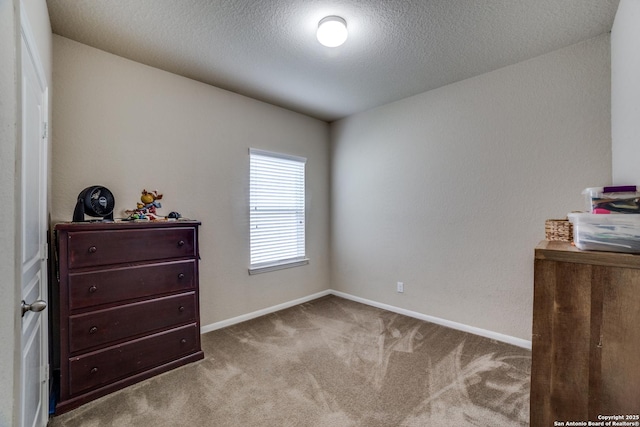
x=131 y=127
x=9 y=27
x=448 y=190
x=625 y=93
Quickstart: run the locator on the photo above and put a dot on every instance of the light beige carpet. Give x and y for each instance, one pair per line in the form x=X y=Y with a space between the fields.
x=329 y=362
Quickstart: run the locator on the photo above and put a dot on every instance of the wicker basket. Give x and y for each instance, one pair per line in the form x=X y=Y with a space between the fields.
x=558 y=230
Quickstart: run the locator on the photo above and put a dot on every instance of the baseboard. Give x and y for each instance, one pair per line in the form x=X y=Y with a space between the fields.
x=519 y=342
x=243 y=318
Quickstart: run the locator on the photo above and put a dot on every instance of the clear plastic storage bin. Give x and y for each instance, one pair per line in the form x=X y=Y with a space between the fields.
x=613 y=233
x=614 y=200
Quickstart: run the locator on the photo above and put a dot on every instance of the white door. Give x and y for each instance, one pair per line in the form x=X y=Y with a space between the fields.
x=34 y=362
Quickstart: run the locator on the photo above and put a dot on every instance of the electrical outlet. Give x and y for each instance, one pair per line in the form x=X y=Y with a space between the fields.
x=400 y=287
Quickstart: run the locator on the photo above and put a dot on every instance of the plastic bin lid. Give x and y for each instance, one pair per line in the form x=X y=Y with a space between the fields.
x=611 y=189
x=613 y=219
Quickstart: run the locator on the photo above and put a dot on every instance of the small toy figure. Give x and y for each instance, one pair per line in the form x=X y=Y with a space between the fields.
x=147 y=207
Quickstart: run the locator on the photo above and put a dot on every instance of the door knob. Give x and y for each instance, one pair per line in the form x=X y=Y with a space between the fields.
x=35 y=306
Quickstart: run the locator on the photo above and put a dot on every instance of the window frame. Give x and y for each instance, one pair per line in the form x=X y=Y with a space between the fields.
x=298 y=210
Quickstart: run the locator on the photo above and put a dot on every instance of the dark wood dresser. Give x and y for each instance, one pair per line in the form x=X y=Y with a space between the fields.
x=586 y=336
x=125 y=305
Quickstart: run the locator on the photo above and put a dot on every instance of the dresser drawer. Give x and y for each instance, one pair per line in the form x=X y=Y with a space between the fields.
x=104 y=326
x=127 y=283
x=93 y=248
x=120 y=361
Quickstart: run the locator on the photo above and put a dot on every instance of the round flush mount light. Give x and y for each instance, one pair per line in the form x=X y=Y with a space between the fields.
x=332 y=31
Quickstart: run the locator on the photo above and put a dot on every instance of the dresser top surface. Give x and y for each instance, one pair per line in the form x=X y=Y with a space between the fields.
x=122 y=225
x=566 y=252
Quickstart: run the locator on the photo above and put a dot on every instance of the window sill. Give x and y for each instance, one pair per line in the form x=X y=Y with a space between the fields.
x=277 y=266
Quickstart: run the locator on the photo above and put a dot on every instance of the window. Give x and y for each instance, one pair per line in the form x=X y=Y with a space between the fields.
x=277 y=211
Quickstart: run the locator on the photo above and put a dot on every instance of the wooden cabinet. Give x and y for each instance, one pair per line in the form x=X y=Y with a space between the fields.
x=125 y=306
x=586 y=335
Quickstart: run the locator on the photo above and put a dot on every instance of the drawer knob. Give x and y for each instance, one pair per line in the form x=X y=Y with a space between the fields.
x=92 y=289
x=93 y=330
x=181 y=243
x=181 y=276
x=94 y=370
x=183 y=341
x=181 y=308
x=93 y=250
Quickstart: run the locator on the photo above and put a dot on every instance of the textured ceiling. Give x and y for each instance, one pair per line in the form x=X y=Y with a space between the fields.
x=266 y=49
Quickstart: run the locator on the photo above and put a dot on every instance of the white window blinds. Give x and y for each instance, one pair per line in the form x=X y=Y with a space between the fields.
x=277 y=211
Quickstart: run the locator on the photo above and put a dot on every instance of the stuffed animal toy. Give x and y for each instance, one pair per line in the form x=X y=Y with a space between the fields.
x=147 y=207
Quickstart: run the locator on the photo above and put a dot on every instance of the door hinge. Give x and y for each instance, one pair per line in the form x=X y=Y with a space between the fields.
x=45 y=130
x=44 y=373
x=45 y=252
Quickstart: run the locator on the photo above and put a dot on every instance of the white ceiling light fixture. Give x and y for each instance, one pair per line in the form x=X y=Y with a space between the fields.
x=332 y=31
